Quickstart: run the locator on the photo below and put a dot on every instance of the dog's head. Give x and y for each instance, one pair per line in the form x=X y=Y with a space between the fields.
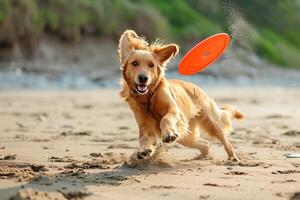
x=143 y=64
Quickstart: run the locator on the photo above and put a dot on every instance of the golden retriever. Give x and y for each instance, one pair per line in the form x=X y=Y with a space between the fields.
x=171 y=110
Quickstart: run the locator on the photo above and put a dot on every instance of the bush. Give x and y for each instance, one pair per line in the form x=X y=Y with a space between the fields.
x=273 y=32
x=277 y=49
x=185 y=22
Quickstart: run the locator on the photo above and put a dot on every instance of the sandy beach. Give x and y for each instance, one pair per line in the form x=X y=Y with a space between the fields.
x=80 y=145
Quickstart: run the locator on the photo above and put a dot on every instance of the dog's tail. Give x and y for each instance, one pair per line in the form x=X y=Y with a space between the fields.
x=217 y=119
x=233 y=112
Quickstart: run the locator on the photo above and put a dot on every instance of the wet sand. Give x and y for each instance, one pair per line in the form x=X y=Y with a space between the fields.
x=78 y=145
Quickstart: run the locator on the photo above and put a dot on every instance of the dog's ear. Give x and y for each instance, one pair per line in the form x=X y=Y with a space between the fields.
x=125 y=45
x=129 y=41
x=165 y=53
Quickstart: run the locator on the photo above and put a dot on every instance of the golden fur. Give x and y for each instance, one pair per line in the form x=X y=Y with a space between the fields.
x=171 y=110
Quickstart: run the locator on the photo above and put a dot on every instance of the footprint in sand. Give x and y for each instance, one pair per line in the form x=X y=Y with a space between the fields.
x=30 y=193
x=291 y=133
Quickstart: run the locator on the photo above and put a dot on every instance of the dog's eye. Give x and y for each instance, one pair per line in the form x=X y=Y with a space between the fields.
x=134 y=63
x=151 y=65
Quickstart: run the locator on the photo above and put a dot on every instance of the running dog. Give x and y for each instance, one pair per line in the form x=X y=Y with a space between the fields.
x=170 y=110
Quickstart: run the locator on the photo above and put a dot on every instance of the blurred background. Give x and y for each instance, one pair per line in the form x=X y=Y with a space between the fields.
x=72 y=44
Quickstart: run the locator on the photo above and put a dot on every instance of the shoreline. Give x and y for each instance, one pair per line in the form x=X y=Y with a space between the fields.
x=13 y=81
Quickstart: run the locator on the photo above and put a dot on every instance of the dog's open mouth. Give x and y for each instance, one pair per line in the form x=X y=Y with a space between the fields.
x=142 y=89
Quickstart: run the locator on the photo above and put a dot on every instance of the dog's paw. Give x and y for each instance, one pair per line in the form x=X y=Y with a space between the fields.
x=169 y=137
x=234 y=159
x=144 y=153
x=205 y=157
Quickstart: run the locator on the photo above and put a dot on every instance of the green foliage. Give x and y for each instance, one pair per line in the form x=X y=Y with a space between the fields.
x=185 y=22
x=70 y=19
x=266 y=48
x=271 y=26
x=277 y=49
x=5 y=9
x=283 y=17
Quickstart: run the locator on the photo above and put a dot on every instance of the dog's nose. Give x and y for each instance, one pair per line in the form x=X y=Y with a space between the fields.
x=143 y=78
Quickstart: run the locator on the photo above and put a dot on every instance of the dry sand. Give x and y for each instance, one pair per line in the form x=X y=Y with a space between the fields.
x=77 y=145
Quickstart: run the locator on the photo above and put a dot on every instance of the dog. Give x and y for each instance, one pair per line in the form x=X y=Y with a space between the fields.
x=169 y=110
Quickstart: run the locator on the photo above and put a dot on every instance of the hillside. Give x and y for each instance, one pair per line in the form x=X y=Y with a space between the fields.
x=271 y=32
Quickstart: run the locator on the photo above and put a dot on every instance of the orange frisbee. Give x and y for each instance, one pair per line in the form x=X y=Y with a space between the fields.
x=203 y=54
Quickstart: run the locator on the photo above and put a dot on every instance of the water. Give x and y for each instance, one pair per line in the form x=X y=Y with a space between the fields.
x=12 y=80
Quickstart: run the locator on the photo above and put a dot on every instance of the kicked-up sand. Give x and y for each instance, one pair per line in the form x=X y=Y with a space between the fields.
x=81 y=145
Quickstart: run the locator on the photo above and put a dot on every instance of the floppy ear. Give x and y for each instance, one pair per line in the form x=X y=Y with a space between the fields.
x=125 y=45
x=165 y=53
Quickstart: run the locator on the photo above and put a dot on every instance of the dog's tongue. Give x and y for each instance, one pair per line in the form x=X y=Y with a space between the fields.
x=142 y=88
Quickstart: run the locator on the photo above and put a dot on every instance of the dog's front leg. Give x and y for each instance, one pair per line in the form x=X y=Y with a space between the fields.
x=148 y=130
x=168 y=126
x=147 y=140
x=172 y=123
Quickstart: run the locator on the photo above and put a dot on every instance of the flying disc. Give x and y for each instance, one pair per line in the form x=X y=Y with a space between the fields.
x=204 y=54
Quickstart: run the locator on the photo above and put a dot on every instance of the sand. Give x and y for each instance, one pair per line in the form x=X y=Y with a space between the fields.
x=81 y=144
